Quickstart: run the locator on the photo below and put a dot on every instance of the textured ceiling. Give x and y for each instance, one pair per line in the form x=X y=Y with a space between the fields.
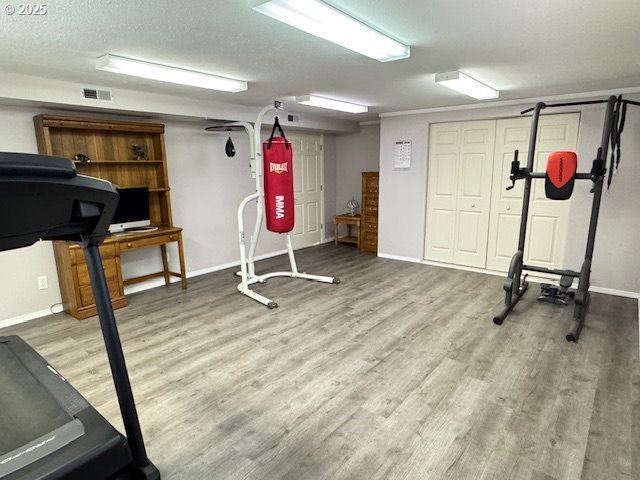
x=523 y=48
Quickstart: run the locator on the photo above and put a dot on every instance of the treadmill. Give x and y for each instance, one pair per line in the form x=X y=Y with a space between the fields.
x=47 y=429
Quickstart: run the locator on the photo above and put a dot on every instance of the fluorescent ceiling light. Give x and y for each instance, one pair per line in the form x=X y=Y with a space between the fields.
x=331 y=104
x=462 y=83
x=154 y=71
x=319 y=19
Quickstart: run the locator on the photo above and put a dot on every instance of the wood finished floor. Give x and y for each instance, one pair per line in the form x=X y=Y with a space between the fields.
x=396 y=373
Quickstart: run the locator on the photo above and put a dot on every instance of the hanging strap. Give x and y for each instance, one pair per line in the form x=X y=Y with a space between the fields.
x=623 y=117
x=619 y=117
x=276 y=124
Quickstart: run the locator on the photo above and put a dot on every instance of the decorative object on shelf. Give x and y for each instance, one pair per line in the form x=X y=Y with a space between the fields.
x=353 y=205
x=82 y=158
x=140 y=151
x=229 y=149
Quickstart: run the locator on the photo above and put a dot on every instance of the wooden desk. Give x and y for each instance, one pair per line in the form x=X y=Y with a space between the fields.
x=75 y=286
x=348 y=220
x=160 y=237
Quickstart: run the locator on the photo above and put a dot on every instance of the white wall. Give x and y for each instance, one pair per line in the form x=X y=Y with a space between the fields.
x=330 y=166
x=20 y=298
x=403 y=193
x=616 y=261
x=19 y=269
x=356 y=153
x=206 y=188
x=39 y=92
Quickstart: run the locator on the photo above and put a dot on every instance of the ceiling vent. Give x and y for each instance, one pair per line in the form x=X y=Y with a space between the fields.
x=95 y=94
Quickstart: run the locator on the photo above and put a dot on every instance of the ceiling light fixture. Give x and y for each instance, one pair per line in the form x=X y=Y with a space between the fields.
x=331 y=104
x=462 y=83
x=164 y=73
x=319 y=19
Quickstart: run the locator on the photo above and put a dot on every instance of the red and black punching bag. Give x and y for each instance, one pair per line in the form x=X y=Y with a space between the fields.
x=279 y=203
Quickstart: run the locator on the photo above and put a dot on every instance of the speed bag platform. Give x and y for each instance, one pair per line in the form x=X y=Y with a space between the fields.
x=279 y=203
x=560 y=175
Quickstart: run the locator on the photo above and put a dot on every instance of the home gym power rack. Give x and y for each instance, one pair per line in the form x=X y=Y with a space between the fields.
x=247 y=271
x=515 y=284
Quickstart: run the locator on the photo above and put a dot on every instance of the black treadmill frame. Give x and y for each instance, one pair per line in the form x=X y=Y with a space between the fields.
x=49 y=201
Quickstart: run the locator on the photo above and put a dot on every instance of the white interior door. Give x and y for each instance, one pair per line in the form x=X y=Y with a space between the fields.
x=307 y=184
x=459 y=192
x=474 y=193
x=442 y=190
x=504 y=223
x=547 y=224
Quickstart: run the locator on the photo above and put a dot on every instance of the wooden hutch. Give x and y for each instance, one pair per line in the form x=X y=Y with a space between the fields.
x=369 y=212
x=109 y=146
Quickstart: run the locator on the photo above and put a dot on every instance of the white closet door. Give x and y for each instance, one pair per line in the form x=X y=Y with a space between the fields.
x=504 y=224
x=459 y=192
x=547 y=225
x=307 y=185
x=474 y=193
x=442 y=190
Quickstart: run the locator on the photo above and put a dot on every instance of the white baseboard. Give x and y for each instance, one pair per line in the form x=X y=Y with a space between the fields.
x=614 y=292
x=607 y=291
x=532 y=277
x=9 y=322
x=148 y=285
x=400 y=258
x=159 y=282
x=196 y=273
x=462 y=267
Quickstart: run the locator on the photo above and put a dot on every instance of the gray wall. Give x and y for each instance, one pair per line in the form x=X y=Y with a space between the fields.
x=356 y=153
x=19 y=269
x=616 y=261
x=330 y=166
x=403 y=193
x=206 y=188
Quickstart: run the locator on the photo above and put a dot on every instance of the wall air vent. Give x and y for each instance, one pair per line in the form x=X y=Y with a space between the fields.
x=95 y=94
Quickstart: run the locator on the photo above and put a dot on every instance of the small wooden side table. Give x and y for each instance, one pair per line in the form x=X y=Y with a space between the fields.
x=349 y=221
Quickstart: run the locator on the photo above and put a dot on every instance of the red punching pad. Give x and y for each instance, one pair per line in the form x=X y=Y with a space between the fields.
x=279 y=203
x=561 y=175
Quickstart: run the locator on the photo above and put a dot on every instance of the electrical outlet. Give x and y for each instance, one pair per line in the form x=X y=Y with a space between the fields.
x=42 y=282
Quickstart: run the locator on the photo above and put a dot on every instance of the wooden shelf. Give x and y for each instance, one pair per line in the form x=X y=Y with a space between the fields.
x=84 y=124
x=111 y=143
x=118 y=162
x=348 y=239
x=369 y=230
